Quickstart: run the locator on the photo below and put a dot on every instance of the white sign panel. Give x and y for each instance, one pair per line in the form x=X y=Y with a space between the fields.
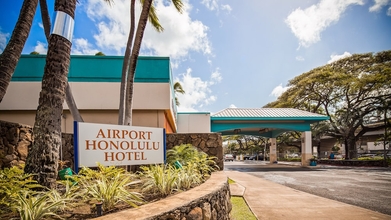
x=118 y=145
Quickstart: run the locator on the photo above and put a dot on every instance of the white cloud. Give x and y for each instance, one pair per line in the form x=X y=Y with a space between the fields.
x=3 y=40
x=379 y=4
x=211 y=4
x=40 y=25
x=82 y=46
x=198 y=92
x=216 y=76
x=41 y=48
x=308 y=24
x=232 y=106
x=336 y=57
x=180 y=36
x=278 y=90
x=227 y=8
x=300 y=58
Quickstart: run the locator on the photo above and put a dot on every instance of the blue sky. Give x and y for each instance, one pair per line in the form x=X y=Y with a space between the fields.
x=227 y=53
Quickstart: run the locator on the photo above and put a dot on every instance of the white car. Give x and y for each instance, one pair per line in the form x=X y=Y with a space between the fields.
x=229 y=157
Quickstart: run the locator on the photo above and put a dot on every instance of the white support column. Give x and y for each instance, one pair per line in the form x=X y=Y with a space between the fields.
x=306 y=145
x=273 y=150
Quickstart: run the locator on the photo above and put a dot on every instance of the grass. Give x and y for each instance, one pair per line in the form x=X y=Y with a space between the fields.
x=240 y=210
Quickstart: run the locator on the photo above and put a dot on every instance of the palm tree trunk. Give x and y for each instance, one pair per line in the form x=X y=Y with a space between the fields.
x=11 y=54
x=133 y=60
x=125 y=66
x=43 y=156
x=68 y=97
x=45 y=18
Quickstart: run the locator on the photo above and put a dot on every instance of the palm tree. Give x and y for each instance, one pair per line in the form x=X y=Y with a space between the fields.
x=43 y=156
x=125 y=66
x=68 y=97
x=11 y=54
x=145 y=14
x=178 y=89
x=152 y=17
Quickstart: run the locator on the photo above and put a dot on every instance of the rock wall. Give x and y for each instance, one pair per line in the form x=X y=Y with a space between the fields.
x=209 y=201
x=15 y=139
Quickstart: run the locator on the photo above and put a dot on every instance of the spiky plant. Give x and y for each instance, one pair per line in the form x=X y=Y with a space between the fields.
x=188 y=177
x=38 y=205
x=111 y=190
x=182 y=153
x=12 y=181
x=159 y=179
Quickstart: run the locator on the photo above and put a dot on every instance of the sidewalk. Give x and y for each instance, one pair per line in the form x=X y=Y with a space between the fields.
x=273 y=201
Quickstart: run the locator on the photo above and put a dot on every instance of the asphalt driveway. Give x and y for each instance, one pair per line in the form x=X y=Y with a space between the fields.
x=365 y=187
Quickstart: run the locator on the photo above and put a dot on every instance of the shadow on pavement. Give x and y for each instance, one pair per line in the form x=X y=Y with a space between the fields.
x=269 y=168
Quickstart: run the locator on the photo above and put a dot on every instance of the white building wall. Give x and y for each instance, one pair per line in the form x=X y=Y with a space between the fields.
x=90 y=95
x=193 y=123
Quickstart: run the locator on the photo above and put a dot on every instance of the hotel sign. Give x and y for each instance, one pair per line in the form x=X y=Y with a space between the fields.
x=117 y=145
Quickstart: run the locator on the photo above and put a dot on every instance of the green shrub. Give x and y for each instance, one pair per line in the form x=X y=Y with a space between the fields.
x=160 y=179
x=12 y=181
x=109 y=172
x=182 y=153
x=38 y=205
x=187 y=177
x=106 y=185
x=71 y=192
x=187 y=154
x=371 y=158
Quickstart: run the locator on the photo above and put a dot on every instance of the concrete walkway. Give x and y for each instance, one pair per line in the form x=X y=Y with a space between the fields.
x=269 y=200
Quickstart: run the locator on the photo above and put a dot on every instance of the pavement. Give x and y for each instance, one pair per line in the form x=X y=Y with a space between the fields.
x=269 y=200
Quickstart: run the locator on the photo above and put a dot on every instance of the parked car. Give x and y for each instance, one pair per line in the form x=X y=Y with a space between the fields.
x=256 y=157
x=246 y=157
x=229 y=157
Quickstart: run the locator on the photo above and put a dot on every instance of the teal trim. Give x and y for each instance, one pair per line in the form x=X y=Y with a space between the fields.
x=97 y=69
x=252 y=125
x=286 y=126
x=271 y=134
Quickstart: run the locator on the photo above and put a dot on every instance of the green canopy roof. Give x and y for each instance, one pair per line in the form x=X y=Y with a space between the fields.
x=267 y=122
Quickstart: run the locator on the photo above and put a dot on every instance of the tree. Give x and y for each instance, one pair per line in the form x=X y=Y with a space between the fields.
x=68 y=92
x=246 y=143
x=43 y=156
x=350 y=91
x=178 y=89
x=11 y=54
x=147 y=13
x=125 y=66
x=100 y=54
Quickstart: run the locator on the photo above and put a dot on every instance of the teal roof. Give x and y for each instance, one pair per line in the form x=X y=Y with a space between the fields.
x=267 y=114
x=96 y=69
x=266 y=122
